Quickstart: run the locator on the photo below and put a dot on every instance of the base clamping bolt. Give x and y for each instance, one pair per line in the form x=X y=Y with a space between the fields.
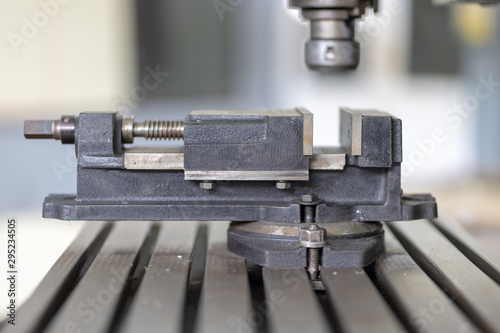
x=207 y=185
x=282 y=185
x=313 y=238
x=309 y=201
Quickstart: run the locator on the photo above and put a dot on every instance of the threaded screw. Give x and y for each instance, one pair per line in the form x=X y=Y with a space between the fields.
x=313 y=259
x=151 y=129
x=313 y=238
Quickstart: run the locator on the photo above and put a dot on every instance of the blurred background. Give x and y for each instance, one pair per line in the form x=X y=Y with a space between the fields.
x=436 y=68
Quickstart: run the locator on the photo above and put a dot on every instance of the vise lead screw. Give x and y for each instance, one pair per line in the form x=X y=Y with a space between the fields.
x=151 y=129
x=64 y=129
x=313 y=238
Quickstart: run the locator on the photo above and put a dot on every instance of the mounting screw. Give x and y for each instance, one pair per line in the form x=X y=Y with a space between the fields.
x=309 y=197
x=281 y=185
x=313 y=238
x=309 y=202
x=207 y=184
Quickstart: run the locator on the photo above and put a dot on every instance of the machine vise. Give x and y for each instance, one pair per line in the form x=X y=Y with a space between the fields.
x=307 y=206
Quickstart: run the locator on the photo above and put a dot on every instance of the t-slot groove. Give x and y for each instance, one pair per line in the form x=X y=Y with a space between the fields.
x=328 y=310
x=400 y=314
x=72 y=279
x=134 y=278
x=195 y=281
x=433 y=272
x=259 y=304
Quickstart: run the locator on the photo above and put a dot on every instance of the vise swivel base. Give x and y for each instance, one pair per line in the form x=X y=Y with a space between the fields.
x=307 y=206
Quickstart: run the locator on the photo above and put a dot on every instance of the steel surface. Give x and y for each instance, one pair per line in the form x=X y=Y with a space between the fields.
x=420 y=303
x=93 y=303
x=475 y=293
x=165 y=282
x=359 y=305
x=470 y=247
x=424 y=284
x=225 y=303
x=54 y=289
x=292 y=300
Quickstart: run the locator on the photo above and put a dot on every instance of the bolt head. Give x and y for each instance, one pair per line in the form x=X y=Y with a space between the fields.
x=206 y=185
x=309 y=197
x=282 y=185
x=312 y=236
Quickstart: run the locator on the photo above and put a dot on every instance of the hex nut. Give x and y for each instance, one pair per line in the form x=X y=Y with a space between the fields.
x=283 y=185
x=206 y=185
x=309 y=197
x=312 y=236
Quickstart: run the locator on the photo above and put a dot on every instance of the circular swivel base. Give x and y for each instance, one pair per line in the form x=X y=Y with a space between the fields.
x=273 y=244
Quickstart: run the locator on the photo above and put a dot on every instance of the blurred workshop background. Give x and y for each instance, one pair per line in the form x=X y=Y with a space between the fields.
x=437 y=68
